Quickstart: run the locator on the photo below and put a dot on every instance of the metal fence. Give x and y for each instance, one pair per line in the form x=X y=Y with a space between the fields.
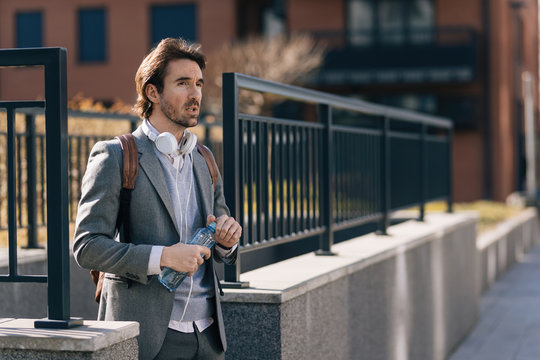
x=340 y=165
x=30 y=166
x=311 y=168
x=53 y=62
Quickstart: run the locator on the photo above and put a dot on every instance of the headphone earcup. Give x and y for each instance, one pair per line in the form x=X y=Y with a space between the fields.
x=166 y=143
x=188 y=143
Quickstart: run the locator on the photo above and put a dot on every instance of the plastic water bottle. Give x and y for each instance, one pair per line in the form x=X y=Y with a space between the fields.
x=170 y=278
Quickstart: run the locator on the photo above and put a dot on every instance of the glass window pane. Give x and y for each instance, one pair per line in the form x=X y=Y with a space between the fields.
x=173 y=21
x=29 y=29
x=391 y=24
x=360 y=22
x=92 y=35
x=421 y=21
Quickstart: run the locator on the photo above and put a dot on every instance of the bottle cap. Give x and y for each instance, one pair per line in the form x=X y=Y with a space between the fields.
x=212 y=227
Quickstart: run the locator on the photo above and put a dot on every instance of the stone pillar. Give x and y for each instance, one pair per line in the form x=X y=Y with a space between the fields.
x=103 y=340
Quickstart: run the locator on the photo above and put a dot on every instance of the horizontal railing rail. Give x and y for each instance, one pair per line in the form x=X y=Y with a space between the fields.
x=290 y=179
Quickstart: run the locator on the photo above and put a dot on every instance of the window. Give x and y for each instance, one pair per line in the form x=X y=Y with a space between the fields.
x=92 y=35
x=173 y=21
x=29 y=29
x=390 y=22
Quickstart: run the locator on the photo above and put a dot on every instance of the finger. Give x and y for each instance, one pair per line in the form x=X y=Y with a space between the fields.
x=200 y=260
x=228 y=236
x=226 y=227
x=220 y=221
x=210 y=219
x=237 y=234
x=206 y=253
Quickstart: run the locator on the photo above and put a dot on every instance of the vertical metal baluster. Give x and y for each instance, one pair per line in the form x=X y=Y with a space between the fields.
x=309 y=183
x=303 y=182
x=265 y=154
x=31 y=181
x=423 y=183
x=260 y=182
x=273 y=172
x=42 y=178
x=283 y=184
x=18 y=140
x=449 y=169
x=385 y=176
x=296 y=177
x=12 y=201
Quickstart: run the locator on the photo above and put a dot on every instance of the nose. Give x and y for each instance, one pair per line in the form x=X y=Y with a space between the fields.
x=195 y=93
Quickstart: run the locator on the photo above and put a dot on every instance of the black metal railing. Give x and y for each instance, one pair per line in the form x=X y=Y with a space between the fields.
x=30 y=165
x=53 y=61
x=350 y=164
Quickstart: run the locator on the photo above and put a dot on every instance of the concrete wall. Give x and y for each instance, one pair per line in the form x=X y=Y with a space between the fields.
x=411 y=295
x=29 y=300
x=501 y=247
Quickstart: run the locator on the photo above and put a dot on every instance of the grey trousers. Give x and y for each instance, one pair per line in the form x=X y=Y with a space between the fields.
x=192 y=346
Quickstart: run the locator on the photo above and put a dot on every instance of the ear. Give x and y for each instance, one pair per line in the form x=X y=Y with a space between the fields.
x=152 y=93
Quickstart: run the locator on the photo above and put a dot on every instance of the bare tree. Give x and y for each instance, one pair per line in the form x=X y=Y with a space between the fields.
x=286 y=59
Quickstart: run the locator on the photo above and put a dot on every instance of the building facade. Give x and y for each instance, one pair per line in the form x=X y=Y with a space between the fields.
x=474 y=61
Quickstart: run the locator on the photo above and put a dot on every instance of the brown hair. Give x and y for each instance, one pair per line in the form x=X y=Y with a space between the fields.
x=152 y=69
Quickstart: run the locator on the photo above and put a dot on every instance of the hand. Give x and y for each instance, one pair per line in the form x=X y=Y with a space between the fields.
x=184 y=257
x=228 y=230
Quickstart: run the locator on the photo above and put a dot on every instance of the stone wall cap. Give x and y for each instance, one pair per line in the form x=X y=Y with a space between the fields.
x=285 y=280
x=504 y=228
x=92 y=336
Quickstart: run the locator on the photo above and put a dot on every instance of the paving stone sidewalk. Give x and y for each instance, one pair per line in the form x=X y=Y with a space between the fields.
x=509 y=324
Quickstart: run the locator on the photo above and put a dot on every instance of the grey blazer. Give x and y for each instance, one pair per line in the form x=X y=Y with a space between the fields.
x=152 y=222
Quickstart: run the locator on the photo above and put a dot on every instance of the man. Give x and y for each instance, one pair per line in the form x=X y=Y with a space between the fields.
x=173 y=197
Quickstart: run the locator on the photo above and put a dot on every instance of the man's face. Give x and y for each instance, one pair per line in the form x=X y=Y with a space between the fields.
x=181 y=97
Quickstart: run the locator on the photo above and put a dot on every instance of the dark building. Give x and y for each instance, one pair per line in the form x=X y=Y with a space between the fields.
x=474 y=61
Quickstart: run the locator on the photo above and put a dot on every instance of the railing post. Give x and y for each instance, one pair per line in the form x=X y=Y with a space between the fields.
x=423 y=183
x=326 y=240
x=385 y=177
x=231 y=166
x=57 y=194
x=31 y=181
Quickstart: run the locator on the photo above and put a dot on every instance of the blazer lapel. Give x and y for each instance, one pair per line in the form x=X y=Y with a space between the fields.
x=204 y=182
x=151 y=166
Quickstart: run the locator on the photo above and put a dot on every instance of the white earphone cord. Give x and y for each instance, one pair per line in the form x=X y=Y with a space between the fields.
x=185 y=220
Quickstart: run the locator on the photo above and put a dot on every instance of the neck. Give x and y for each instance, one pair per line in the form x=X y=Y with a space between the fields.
x=162 y=124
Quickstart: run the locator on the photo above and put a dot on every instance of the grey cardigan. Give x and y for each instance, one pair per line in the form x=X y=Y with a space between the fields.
x=152 y=222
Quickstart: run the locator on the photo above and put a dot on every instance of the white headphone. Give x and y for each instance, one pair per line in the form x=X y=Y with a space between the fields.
x=166 y=142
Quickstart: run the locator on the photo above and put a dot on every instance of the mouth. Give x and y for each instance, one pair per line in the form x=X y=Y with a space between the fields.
x=192 y=110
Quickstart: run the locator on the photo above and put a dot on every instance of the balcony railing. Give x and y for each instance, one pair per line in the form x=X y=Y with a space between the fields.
x=430 y=55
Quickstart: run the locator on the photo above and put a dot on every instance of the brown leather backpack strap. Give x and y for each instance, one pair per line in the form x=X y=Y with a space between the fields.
x=131 y=160
x=210 y=162
x=130 y=170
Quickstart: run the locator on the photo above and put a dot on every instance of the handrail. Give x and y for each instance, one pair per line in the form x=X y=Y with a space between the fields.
x=314 y=96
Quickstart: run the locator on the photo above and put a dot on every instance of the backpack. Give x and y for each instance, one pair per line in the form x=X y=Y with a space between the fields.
x=130 y=171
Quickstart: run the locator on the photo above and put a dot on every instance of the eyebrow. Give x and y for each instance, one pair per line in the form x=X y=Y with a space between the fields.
x=186 y=78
